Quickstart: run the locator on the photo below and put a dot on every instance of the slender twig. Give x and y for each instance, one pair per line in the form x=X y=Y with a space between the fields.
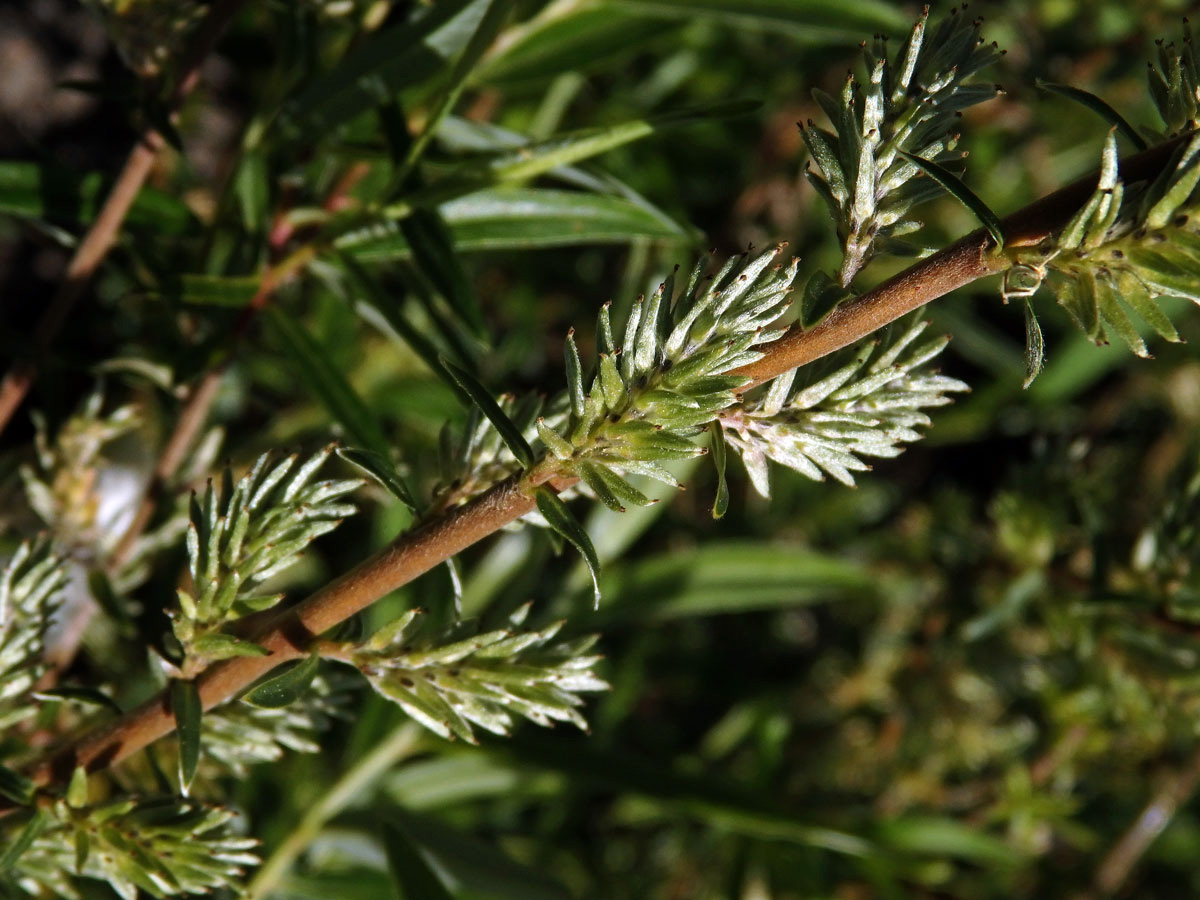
x=290 y=635
x=102 y=234
x=1124 y=855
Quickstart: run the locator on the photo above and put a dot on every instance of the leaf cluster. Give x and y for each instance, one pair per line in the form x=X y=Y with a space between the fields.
x=31 y=586
x=868 y=406
x=462 y=680
x=908 y=104
x=1126 y=247
x=240 y=536
x=164 y=846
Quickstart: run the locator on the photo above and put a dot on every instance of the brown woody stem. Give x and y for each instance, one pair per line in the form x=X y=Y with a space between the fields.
x=291 y=634
x=102 y=234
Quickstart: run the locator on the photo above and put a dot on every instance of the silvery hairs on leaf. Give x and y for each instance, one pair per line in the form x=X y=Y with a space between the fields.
x=909 y=103
x=461 y=681
x=1175 y=84
x=239 y=536
x=165 y=847
x=659 y=387
x=31 y=585
x=868 y=407
x=1127 y=246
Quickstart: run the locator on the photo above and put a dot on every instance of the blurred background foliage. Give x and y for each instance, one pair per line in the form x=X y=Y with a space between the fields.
x=967 y=677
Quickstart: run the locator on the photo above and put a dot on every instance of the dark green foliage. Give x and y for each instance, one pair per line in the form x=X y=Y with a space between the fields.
x=967 y=677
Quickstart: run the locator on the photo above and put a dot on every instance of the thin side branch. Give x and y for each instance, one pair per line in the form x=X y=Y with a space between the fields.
x=291 y=634
x=102 y=234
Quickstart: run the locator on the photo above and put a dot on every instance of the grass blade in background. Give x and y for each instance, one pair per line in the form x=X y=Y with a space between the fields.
x=327 y=382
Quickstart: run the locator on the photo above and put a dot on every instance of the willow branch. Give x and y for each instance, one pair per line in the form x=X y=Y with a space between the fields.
x=291 y=634
x=102 y=234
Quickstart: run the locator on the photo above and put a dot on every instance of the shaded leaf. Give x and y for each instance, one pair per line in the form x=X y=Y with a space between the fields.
x=412 y=877
x=381 y=469
x=326 y=380
x=286 y=687
x=717 y=445
x=186 y=708
x=563 y=521
x=15 y=787
x=1098 y=106
x=13 y=852
x=509 y=432
x=963 y=194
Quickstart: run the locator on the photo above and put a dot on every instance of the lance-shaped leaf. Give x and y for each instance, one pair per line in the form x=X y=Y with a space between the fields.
x=1035 y=345
x=186 y=708
x=563 y=521
x=15 y=786
x=721 y=500
x=508 y=431
x=963 y=194
x=286 y=687
x=382 y=470
x=1099 y=107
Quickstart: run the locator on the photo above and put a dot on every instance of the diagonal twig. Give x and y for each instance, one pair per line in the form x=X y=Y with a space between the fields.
x=102 y=234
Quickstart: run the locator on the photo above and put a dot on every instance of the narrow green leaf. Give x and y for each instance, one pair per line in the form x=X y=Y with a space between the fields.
x=406 y=54
x=532 y=160
x=15 y=787
x=381 y=469
x=611 y=383
x=233 y=291
x=1035 y=346
x=555 y=443
x=185 y=705
x=1133 y=292
x=963 y=194
x=225 y=646
x=485 y=31
x=1113 y=315
x=384 y=311
x=574 y=375
x=286 y=687
x=509 y=433
x=412 y=877
x=13 y=852
x=563 y=521
x=312 y=364
x=89 y=696
x=432 y=249
x=54 y=193
x=622 y=489
x=252 y=185
x=525 y=218
x=77 y=789
x=1098 y=106
x=591 y=476
x=718 y=454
